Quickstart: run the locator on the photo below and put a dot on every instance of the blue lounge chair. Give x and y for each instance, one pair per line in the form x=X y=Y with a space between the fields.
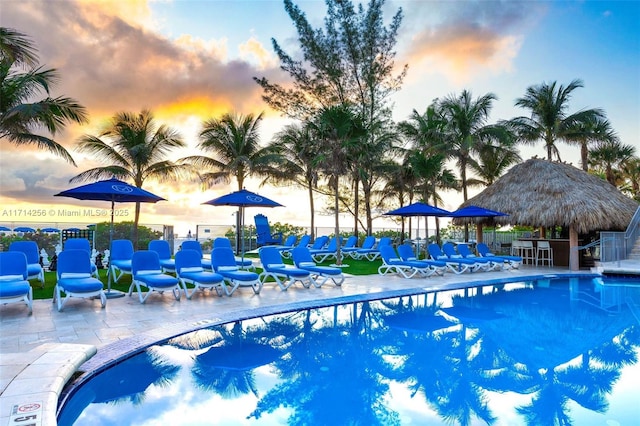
x=120 y=256
x=490 y=265
x=319 y=243
x=457 y=265
x=303 y=260
x=14 y=287
x=30 y=249
x=164 y=254
x=508 y=261
x=350 y=246
x=304 y=242
x=405 y=251
x=242 y=263
x=147 y=272
x=81 y=244
x=480 y=264
x=391 y=263
x=328 y=252
x=367 y=247
x=75 y=278
x=195 y=245
x=284 y=275
x=263 y=232
x=288 y=244
x=373 y=253
x=189 y=270
x=224 y=263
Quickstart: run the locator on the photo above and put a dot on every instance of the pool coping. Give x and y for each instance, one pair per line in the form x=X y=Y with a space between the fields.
x=121 y=349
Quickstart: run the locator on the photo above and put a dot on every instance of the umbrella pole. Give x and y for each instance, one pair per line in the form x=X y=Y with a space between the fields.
x=242 y=231
x=111 y=294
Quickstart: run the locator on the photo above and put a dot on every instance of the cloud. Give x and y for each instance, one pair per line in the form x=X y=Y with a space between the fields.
x=111 y=62
x=462 y=42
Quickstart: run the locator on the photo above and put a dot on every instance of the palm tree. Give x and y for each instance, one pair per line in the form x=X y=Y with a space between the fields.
x=427 y=134
x=135 y=148
x=466 y=129
x=549 y=120
x=295 y=143
x=492 y=162
x=593 y=130
x=339 y=131
x=234 y=140
x=609 y=157
x=21 y=81
x=631 y=173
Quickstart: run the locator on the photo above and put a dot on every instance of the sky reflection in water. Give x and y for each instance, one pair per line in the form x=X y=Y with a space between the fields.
x=526 y=353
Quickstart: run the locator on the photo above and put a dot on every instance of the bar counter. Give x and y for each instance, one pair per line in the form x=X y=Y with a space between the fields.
x=560 y=248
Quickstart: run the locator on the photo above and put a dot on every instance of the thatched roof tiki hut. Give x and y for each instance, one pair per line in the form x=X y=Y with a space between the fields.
x=546 y=194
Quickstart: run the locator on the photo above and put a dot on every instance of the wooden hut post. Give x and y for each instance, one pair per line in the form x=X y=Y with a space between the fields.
x=479 y=233
x=574 y=256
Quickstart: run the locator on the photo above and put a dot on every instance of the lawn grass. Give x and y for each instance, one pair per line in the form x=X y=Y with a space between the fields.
x=356 y=267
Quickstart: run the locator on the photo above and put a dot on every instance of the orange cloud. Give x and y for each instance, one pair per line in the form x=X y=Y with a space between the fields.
x=462 y=53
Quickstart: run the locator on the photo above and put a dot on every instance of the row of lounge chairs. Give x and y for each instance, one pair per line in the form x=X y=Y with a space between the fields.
x=325 y=248
x=449 y=258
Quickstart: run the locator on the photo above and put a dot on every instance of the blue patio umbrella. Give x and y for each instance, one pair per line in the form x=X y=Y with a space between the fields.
x=243 y=199
x=4 y=229
x=417 y=210
x=24 y=229
x=113 y=190
x=49 y=230
x=475 y=211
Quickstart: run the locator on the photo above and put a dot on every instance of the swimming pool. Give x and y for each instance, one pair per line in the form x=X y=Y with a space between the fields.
x=519 y=353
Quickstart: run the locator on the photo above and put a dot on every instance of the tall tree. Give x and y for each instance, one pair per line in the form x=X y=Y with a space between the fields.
x=234 y=141
x=338 y=130
x=466 y=128
x=134 y=148
x=22 y=81
x=295 y=143
x=549 y=120
x=588 y=133
x=349 y=62
x=608 y=157
x=631 y=174
x=493 y=160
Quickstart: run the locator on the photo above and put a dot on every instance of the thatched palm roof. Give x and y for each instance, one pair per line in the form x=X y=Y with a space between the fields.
x=543 y=193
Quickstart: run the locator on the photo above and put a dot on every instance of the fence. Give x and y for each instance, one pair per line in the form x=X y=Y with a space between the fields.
x=616 y=246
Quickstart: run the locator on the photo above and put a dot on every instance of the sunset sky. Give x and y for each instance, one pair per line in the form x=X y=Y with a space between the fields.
x=189 y=60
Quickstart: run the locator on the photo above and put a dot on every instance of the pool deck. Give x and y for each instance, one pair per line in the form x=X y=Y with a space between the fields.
x=40 y=352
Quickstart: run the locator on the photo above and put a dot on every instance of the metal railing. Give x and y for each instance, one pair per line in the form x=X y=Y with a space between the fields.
x=616 y=246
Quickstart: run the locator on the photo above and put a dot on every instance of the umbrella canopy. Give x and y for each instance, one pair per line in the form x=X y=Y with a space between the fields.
x=475 y=211
x=543 y=193
x=113 y=190
x=243 y=199
x=23 y=229
x=4 y=229
x=419 y=209
x=49 y=230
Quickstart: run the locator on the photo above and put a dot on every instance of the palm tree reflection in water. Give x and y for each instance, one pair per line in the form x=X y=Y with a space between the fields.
x=434 y=357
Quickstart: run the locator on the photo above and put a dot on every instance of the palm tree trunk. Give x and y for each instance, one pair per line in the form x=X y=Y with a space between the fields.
x=312 y=208
x=356 y=204
x=337 y=216
x=135 y=226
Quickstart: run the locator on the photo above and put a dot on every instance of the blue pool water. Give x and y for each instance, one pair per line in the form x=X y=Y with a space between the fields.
x=562 y=351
